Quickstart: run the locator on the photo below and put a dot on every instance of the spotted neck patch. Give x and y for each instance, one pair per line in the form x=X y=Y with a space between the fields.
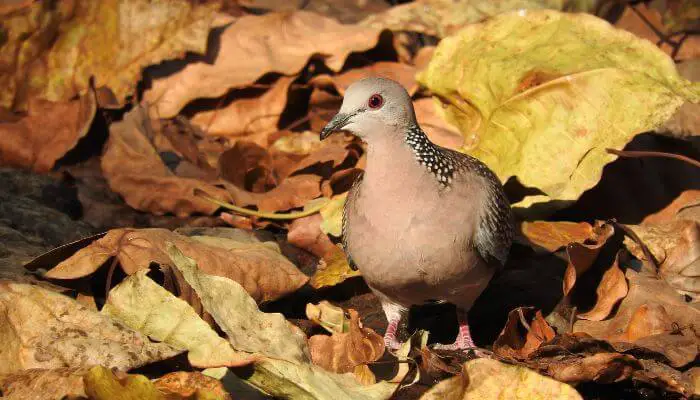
x=431 y=156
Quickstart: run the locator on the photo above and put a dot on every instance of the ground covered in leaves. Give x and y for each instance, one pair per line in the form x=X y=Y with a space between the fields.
x=169 y=218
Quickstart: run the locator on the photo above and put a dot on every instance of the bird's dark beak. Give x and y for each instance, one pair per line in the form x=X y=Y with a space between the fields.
x=335 y=124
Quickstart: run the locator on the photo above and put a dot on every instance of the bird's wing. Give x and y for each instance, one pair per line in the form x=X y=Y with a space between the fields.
x=349 y=202
x=495 y=231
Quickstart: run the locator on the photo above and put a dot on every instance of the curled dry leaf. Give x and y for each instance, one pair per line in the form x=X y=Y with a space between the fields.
x=511 y=343
x=600 y=367
x=329 y=317
x=343 y=351
x=236 y=312
x=56 y=51
x=40 y=384
x=519 y=114
x=551 y=236
x=131 y=164
x=46 y=133
x=651 y=307
x=676 y=247
x=611 y=289
x=248 y=115
x=484 y=378
x=255 y=45
x=146 y=307
x=191 y=385
x=259 y=267
x=44 y=329
x=583 y=255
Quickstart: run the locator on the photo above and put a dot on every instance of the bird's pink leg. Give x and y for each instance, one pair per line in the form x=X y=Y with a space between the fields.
x=393 y=314
x=464 y=338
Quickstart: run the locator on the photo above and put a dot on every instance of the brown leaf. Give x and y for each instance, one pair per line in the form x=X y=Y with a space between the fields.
x=552 y=236
x=46 y=133
x=600 y=367
x=685 y=206
x=133 y=169
x=247 y=115
x=342 y=352
x=511 y=343
x=650 y=308
x=255 y=45
x=259 y=267
x=432 y=120
x=247 y=166
x=611 y=289
x=322 y=107
x=292 y=192
x=328 y=156
x=44 y=329
x=306 y=233
x=40 y=384
x=402 y=73
x=632 y=22
x=191 y=385
x=582 y=255
x=676 y=247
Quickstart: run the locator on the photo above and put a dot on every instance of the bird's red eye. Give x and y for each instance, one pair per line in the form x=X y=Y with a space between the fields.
x=375 y=101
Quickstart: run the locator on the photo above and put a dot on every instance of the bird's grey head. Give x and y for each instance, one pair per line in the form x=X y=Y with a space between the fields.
x=373 y=106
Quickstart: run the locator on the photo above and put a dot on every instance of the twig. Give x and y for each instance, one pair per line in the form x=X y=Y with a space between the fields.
x=261 y=214
x=641 y=154
x=629 y=232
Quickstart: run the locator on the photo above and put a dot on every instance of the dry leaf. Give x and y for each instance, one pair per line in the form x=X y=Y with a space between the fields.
x=40 y=384
x=328 y=156
x=292 y=192
x=686 y=121
x=102 y=384
x=342 y=352
x=432 y=120
x=676 y=247
x=255 y=45
x=583 y=255
x=134 y=170
x=54 y=52
x=632 y=22
x=237 y=314
x=551 y=236
x=146 y=307
x=247 y=166
x=402 y=73
x=260 y=267
x=46 y=133
x=601 y=367
x=44 y=329
x=685 y=206
x=300 y=144
x=191 y=385
x=248 y=115
x=329 y=317
x=510 y=342
x=332 y=270
x=306 y=233
x=484 y=378
x=332 y=214
x=611 y=289
x=651 y=307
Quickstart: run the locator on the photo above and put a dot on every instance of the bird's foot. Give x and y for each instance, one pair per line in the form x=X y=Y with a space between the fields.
x=463 y=341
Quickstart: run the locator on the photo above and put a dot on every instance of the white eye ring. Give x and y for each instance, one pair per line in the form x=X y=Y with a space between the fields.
x=375 y=101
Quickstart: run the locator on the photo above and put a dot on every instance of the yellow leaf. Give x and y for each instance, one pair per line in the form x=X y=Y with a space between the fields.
x=101 y=384
x=332 y=214
x=145 y=306
x=484 y=378
x=541 y=94
x=332 y=270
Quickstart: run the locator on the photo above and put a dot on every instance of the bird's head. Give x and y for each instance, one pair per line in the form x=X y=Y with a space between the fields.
x=373 y=106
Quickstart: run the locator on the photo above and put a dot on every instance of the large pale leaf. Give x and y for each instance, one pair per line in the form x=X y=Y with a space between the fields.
x=145 y=306
x=484 y=378
x=44 y=329
x=541 y=94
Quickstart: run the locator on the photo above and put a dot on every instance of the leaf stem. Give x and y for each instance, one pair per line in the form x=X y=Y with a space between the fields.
x=262 y=214
x=640 y=154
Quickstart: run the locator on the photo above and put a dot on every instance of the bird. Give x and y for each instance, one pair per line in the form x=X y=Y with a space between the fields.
x=422 y=223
